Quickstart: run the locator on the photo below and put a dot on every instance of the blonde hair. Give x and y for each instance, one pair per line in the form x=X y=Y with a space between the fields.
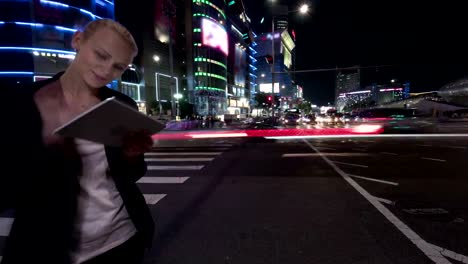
x=94 y=25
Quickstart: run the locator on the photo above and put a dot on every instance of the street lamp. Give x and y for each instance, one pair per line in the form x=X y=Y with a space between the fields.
x=304 y=9
x=156 y=58
x=178 y=96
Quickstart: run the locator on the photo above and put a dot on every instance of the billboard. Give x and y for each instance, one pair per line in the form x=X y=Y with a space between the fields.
x=266 y=88
x=240 y=66
x=214 y=35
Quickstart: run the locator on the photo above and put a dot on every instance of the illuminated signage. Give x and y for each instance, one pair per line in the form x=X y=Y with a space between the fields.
x=240 y=66
x=214 y=35
x=391 y=89
x=266 y=88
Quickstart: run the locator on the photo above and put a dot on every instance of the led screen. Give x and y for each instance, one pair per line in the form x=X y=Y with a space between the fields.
x=266 y=88
x=214 y=35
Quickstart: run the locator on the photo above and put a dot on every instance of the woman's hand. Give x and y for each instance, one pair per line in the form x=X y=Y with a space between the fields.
x=137 y=143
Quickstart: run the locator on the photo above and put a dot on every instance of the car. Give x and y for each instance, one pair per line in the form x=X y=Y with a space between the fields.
x=395 y=120
x=291 y=119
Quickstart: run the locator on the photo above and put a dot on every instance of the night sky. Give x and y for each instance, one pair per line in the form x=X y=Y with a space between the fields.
x=422 y=41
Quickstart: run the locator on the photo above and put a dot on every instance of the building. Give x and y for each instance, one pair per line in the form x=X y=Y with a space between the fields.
x=280 y=18
x=348 y=85
x=456 y=92
x=201 y=50
x=386 y=93
x=37 y=36
x=372 y=95
x=159 y=70
x=284 y=48
x=242 y=70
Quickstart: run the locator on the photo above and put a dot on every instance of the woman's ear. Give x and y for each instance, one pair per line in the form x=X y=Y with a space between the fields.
x=77 y=40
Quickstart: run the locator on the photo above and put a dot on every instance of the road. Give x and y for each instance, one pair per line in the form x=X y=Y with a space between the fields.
x=375 y=200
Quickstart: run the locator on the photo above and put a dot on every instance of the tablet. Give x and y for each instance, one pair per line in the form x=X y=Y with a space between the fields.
x=108 y=122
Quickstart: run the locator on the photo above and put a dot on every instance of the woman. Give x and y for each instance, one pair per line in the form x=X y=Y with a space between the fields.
x=76 y=201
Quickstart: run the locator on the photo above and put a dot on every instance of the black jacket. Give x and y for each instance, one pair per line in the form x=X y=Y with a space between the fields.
x=41 y=184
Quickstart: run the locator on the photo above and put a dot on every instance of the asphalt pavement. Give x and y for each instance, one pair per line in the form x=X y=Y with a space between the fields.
x=366 y=200
x=325 y=201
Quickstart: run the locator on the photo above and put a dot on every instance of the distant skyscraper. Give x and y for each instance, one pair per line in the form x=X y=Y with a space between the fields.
x=280 y=17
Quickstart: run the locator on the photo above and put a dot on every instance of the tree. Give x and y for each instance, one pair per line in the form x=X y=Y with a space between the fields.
x=306 y=108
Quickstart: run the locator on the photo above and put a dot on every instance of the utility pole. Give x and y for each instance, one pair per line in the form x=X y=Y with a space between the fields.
x=170 y=12
x=273 y=63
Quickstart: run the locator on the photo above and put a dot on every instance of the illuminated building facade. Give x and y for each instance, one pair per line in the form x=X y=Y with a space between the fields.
x=284 y=49
x=36 y=35
x=207 y=56
x=241 y=66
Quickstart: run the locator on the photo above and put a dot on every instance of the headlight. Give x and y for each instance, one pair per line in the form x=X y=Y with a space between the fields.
x=365 y=129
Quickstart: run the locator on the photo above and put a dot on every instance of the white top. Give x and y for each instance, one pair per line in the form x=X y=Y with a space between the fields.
x=102 y=221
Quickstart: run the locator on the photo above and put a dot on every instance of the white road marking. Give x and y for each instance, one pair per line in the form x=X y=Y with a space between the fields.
x=424 y=145
x=374 y=180
x=182 y=154
x=451 y=254
x=359 y=149
x=368 y=141
x=153 y=198
x=455 y=147
x=425 y=247
x=176 y=168
x=343 y=154
x=439 y=160
x=179 y=159
x=389 y=153
x=349 y=164
x=327 y=148
x=5 y=225
x=185 y=148
x=163 y=180
x=374 y=136
x=385 y=201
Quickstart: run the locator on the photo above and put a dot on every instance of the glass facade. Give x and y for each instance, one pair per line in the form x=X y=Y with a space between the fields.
x=37 y=35
x=210 y=54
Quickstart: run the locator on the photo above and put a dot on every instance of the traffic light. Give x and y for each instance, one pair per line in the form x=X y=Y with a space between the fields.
x=269 y=59
x=269 y=99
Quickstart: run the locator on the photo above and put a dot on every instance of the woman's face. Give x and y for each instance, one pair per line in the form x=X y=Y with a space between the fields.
x=102 y=57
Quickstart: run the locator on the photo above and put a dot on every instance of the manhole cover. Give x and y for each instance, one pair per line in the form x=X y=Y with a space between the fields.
x=425 y=210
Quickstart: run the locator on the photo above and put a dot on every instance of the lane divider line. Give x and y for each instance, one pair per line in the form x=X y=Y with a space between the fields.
x=374 y=180
x=178 y=159
x=175 y=168
x=150 y=154
x=425 y=247
x=439 y=160
x=153 y=199
x=349 y=164
x=451 y=254
x=163 y=180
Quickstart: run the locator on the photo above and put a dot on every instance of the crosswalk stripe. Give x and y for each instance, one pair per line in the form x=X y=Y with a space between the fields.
x=179 y=159
x=153 y=198
x=183 y=153
x=5 y=225
x=185 y=148
x=195 y=167
x=163 y=179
